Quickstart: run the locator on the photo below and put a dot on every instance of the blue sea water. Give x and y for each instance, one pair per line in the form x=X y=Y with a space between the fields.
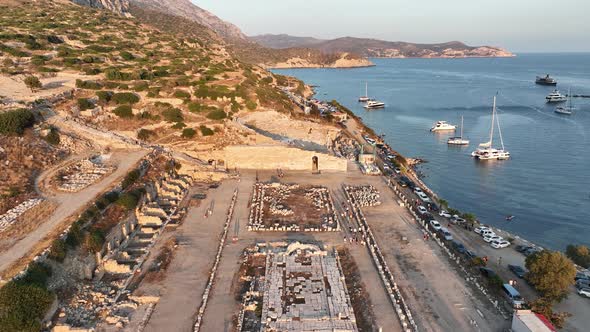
x=546 y=183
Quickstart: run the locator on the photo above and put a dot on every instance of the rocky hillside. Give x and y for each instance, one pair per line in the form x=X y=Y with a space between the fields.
x=186 y=9
x=383 y=49
x=117 y=6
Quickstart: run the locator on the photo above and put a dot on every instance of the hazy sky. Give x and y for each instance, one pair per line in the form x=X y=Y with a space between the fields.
x=519 y=25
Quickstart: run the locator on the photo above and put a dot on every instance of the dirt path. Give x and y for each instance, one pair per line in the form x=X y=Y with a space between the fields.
x=186 y=277
x=68 y=204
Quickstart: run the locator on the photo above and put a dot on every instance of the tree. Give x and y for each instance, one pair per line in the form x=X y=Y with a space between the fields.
x=124 y=111
x=22 y=306
x=144 y=134
x=545 y=307
x=33 y=83
x=15 y=121
x=128 y=200
x=206 y=131
x=551 y=273
x=579 y=254
x=130 y=178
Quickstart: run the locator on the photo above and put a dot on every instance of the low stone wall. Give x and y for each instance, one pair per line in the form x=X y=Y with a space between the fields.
x=272 y=157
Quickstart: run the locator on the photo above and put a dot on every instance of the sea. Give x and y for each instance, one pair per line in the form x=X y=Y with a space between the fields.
x=546 y=183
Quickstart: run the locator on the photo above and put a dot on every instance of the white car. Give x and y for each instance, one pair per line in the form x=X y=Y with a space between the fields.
x=418 y=190
x=435 y=225
x=423 y=197
x=584 y=292
x=487 y=232
x=397 y=170
x=499 y=244
x=480 y=229
x=444 y=213
x=492 y=237
x=422 y=210
x=446 y=234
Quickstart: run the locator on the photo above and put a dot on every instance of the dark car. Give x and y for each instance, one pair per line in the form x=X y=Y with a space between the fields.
x=488 y=273
x=433 y=207
x=403 y=181
x=411 y=184
x=470 y=254
x=531 y=251
x=459 y=247
x=518 y=270
x=582 y=276
x=522 y=248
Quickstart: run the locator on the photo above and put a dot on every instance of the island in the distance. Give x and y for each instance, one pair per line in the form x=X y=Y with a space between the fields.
x=374 y=48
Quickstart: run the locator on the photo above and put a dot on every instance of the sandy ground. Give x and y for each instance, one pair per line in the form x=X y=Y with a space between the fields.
x=15 y=87
x=67 y=205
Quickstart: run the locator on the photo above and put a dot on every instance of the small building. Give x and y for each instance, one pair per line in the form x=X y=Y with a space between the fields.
x=340 y=116
x=528 y=321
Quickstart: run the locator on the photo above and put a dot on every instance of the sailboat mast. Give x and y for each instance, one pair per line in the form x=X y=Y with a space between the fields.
x=492 y=127
x=461 y=126
x=366 y=89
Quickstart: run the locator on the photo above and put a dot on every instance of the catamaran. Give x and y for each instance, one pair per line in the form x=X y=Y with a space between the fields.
x=459 y=140
x=486 y=151
x=365 y=98
x=568 y=109
x=442 y=126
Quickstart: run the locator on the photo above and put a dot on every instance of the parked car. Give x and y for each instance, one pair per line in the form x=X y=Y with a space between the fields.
x=584 y=292
x=397 y=170
x=423 y=197
x=488 y=273
x=404 y=181
x=422 y=210
x=391 y=156
x=418 y=190
x=435 y=225
x=446 y=234
x=519 y=271
x=522 y=248
x=499 y=244
x=582 y=283
x=459 y=246
x=470 y=254
x=492 y=237
x=531 y=251
x=487 y=232
x=428 y=217
x=444 y=213
x=480 y=229
x=457 y=220
x=433 y=207
x=582 y=276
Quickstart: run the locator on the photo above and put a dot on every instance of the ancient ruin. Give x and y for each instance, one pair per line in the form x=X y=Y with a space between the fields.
x=291 y=207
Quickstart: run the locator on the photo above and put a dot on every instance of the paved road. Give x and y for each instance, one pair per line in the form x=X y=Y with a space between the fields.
x=68 y=204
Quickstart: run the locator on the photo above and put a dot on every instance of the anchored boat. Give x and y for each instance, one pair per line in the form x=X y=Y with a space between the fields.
x=555 y=97
x=374 y=104
x=442 y=126
x=459 y=140
x=486 y=151
x=547 y=80
x=568 y=109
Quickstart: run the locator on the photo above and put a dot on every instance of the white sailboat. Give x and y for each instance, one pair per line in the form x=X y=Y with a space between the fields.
x=365 y=98
x=568 y=109
x=458 y=140
x=486 y=151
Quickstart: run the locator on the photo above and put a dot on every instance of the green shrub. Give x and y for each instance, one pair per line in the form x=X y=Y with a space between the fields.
x=195 y=107
x=104 y=96
x=124 y=111
x=15 y=122
x=94 y=240
x=182 y=94
x=90 y=85
x=33 y=83
x=74 y=237
x=53 y=136
x=36 y=274
x=130 y=178
x=189 y=133
x=58 y=250
x=179 y=125
x=217 y=115
x=128 y=200
x=125 y=98
x=141 y=86
x=127 y=56
x=173 y=115
x=251 y=105
x=22 y=307
x=145 y=134
x=205 y=131
x=85 y=104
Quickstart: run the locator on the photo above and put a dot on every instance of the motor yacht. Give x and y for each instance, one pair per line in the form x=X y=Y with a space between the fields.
x=442 y=126
x=547 y=80
x=374 y=104
x=555 y=97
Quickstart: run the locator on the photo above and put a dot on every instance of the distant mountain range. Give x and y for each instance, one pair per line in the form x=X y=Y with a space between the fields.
x=380 y=48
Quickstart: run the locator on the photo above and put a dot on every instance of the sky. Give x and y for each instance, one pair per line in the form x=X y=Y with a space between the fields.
x=518 y=25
